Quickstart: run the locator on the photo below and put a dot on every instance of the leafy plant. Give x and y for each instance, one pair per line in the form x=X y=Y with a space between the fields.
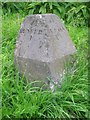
x=80 y=12
x=72 y=13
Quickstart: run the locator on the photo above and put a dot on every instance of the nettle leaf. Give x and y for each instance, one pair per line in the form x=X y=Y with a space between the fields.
x=42 y=9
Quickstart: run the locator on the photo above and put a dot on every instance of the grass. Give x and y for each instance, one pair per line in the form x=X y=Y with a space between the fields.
x=21 y=100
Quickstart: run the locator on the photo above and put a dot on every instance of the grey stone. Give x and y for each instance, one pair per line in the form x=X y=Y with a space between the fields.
x=42 y=48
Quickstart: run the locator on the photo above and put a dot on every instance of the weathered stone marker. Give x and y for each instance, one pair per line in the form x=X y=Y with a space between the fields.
x=43 y=46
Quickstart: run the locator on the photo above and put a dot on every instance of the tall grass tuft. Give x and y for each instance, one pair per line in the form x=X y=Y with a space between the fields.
x=21 y=100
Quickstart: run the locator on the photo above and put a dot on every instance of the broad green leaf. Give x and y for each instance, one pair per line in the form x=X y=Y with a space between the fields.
x=56 y=4
x=42 y=9
x=31 y=11
x=32 y=5
x=50 y=5
x=55 y=11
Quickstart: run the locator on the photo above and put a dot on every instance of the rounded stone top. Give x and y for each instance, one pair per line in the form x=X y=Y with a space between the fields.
x=43 y=15
x=43 y=37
